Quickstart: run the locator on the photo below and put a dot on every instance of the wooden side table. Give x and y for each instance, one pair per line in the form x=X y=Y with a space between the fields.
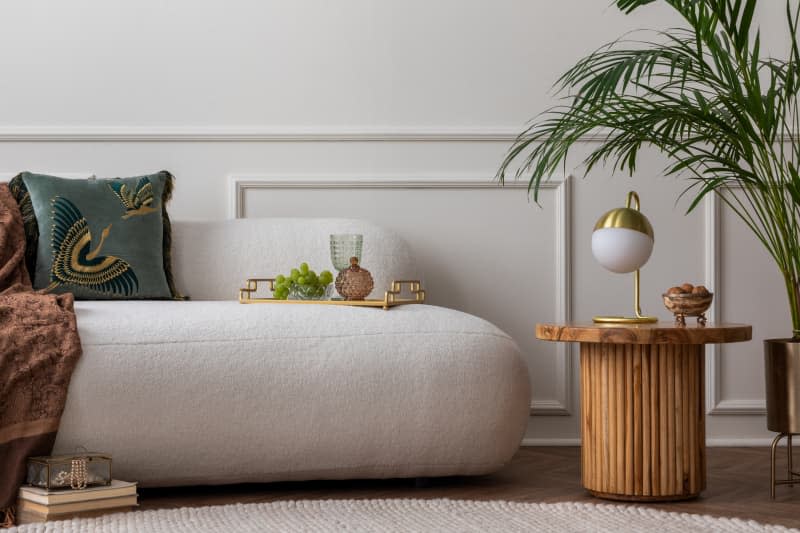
x=642 y=408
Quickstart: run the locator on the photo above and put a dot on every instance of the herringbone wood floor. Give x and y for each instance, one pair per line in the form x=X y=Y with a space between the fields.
x=738 y=485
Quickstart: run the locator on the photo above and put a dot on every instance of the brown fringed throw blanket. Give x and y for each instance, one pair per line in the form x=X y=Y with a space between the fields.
x=39 y=347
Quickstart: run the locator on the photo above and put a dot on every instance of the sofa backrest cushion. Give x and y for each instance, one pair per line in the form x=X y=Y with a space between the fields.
x=212 y=260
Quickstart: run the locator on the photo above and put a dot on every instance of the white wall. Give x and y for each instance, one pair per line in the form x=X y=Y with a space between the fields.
x=400 y=98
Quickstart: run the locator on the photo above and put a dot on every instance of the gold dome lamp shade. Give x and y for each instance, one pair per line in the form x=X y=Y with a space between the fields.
x=622 y=242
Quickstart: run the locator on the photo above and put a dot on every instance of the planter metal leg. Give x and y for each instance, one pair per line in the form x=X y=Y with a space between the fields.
x=775 y=442
x=792 y=476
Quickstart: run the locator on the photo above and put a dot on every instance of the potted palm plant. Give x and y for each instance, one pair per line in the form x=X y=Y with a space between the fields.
x=725 y=116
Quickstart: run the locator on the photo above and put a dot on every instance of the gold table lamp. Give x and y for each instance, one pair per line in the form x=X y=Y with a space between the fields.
x=622 y=242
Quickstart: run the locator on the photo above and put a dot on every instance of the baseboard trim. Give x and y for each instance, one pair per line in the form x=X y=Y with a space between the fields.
x=724 y=442
x=536 y=441
x=753 y=442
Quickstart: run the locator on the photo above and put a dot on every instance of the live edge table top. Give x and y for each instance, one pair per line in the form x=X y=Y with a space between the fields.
x=659 y=333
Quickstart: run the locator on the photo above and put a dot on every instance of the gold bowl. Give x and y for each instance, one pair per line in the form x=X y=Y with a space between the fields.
x=688 y=304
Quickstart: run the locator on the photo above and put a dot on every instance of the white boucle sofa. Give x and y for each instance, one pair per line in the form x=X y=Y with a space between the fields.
x=210 y=391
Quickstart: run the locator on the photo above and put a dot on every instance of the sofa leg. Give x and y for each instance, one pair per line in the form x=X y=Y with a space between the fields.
x=422 y=482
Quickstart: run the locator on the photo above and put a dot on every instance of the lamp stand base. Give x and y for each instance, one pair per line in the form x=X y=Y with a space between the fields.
x=637 y=309
x=625 y=319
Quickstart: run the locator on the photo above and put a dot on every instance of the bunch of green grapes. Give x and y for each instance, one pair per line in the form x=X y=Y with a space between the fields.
x=304 y=282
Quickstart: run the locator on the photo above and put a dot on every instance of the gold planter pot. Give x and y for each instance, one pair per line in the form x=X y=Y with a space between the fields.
x=782 y=372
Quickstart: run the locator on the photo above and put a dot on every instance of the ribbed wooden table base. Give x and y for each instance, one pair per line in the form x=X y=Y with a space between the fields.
x=643 y=421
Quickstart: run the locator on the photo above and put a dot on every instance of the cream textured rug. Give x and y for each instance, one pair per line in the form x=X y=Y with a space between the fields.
x=401 y=516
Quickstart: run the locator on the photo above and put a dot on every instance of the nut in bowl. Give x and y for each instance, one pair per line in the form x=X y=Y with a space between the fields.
x=688 y=300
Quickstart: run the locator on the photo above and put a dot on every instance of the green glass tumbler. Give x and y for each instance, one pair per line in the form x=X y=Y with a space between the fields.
x=343 y=247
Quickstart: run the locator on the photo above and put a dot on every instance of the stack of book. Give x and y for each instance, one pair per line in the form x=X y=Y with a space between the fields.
x=39 y=505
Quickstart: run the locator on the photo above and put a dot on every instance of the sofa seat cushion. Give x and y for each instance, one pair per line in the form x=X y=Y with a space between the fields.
x=218 y=392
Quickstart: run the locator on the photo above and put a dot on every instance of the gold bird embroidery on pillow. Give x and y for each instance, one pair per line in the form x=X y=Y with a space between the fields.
x=136 y=202
x=74 y=261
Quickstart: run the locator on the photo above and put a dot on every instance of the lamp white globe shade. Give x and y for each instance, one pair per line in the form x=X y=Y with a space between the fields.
x=621 y=250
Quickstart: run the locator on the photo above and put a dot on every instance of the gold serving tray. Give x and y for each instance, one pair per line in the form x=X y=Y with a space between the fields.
x=390 y=299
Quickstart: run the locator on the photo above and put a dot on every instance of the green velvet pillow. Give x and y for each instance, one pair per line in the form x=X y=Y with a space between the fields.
x=98 y=238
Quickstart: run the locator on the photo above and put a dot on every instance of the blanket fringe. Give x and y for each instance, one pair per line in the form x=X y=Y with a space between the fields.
x=8 y=517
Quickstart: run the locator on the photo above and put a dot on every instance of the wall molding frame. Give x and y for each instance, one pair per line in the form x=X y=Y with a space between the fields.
x=715 y=403
x=260 y=133
x=9 y=175
x=263 y=133
x=79 y=133
x=562 y=404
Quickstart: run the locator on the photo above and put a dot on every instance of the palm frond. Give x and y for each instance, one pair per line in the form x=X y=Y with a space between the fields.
x=726 y=118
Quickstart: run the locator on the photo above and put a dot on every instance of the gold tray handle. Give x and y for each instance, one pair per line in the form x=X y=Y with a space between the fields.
x=252 y=286
x=391 y=297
